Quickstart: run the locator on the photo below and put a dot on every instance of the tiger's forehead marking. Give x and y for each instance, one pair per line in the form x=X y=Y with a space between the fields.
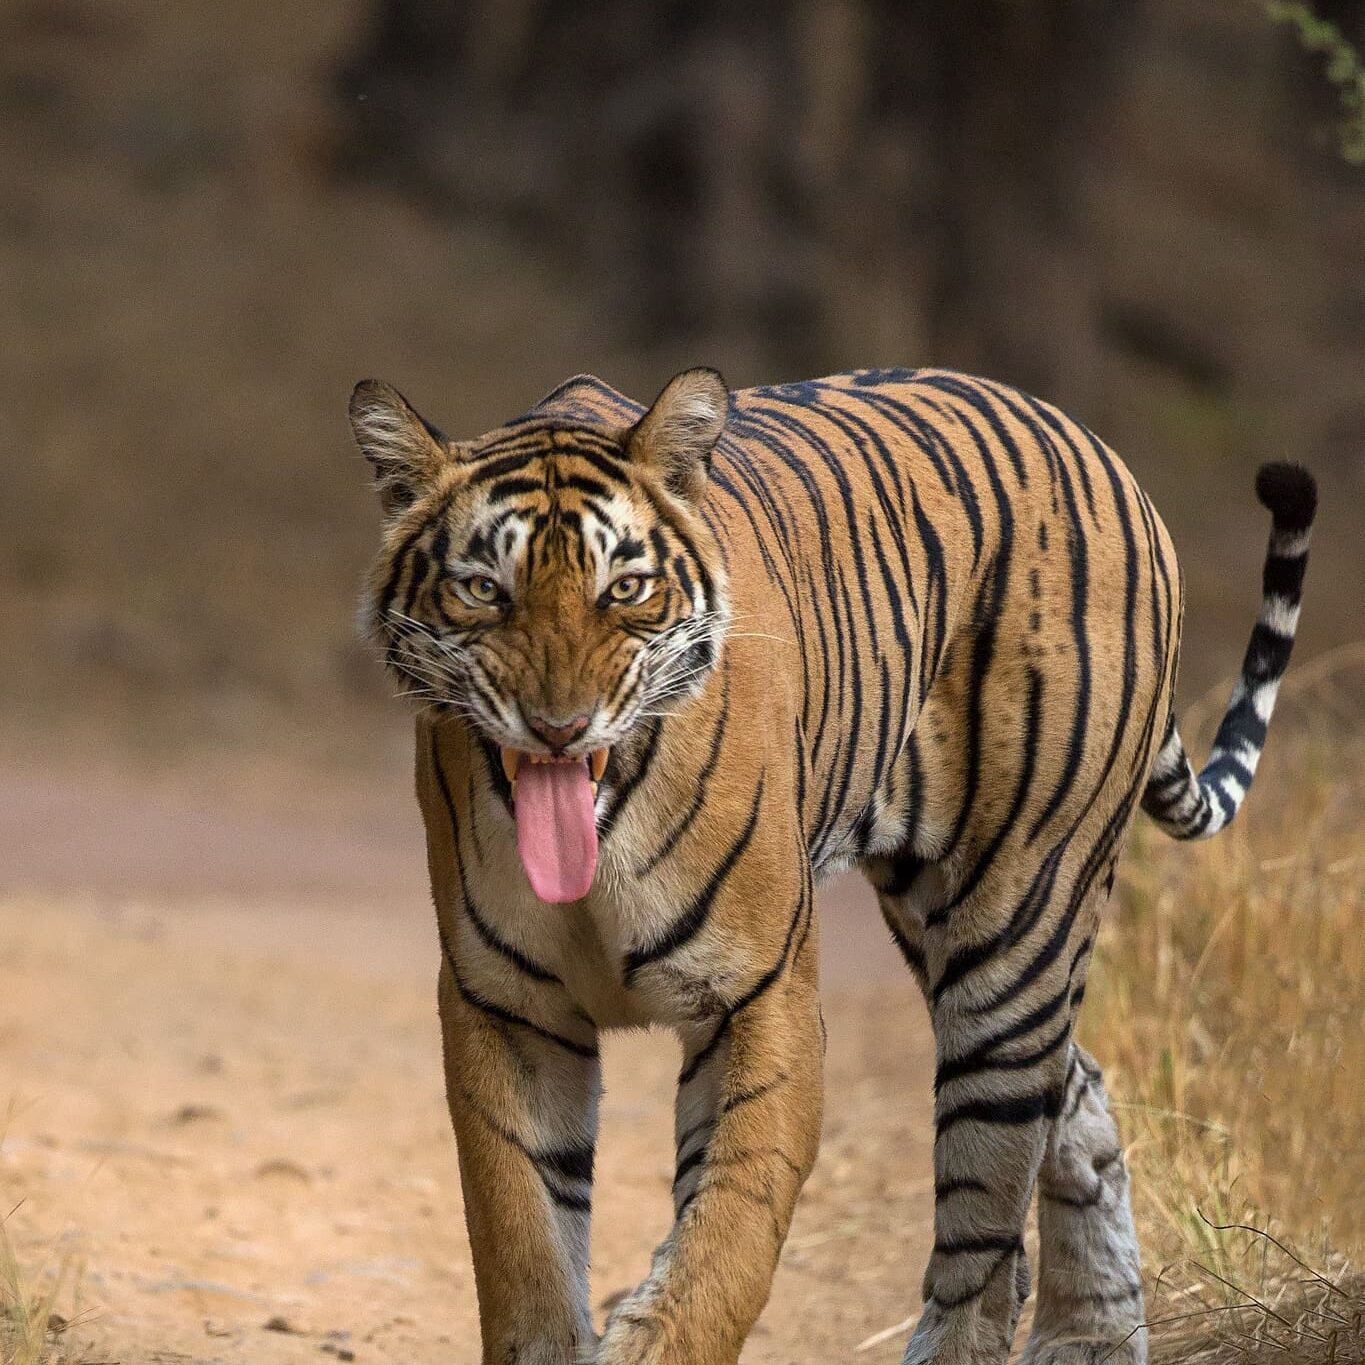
x=548 y=436
x=553 y=500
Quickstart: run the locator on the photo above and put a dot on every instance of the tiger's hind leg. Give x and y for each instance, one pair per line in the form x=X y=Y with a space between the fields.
x=989 y=1144
x=1002 y=964
x=999 y=1074
x=1090 y=1303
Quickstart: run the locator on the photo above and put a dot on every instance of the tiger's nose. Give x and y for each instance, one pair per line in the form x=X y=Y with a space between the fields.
x=557 y=736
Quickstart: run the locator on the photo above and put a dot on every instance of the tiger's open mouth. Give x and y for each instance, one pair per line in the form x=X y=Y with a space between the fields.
x=554 y=799
x=512 y=760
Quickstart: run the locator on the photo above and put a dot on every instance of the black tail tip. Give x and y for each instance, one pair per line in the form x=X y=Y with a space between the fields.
x=1290 y=492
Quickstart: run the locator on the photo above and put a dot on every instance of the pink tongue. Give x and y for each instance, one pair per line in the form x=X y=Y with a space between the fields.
x=556 y=829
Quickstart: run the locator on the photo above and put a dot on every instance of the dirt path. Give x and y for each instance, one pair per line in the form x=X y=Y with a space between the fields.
x=226 y=1109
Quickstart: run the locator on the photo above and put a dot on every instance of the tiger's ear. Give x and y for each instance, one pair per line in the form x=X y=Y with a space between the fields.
x=677 y=435
x=405 y=451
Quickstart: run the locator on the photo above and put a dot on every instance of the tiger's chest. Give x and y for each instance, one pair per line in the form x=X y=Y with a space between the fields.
x=510 y=944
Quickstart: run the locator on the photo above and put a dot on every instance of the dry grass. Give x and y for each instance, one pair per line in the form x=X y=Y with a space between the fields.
x=1226 y=1005
x=1292 y=1316
x=30 y=1327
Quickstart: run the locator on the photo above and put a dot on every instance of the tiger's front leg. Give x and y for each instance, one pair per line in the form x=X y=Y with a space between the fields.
x=523 y=1100
x=748 y=1127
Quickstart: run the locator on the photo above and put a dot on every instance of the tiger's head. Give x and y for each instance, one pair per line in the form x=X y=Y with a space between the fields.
x=552 y=582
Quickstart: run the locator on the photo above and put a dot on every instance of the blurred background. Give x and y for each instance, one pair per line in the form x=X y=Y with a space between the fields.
x=215 y=218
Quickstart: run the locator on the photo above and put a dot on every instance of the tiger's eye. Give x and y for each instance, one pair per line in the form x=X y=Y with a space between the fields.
x=482 y=589
x=629 y=588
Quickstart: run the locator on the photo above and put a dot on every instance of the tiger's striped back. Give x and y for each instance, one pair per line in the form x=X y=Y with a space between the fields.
x=877 y=502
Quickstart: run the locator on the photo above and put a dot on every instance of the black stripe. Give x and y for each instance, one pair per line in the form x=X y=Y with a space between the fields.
x=971 y=1246
x=689 y=1164
x=497 y=468
x=972 y=394
x=957 y=1300
x=931 y=442
x=762 y=985
x=505 y=1016
x=547 y=1164
x=983 y=1058
x=1078 y=559
x=756 y=1092
x=514 y=487
x=384 y=598
x=960 y=1185
x=913 y=955
x=576 y=1203
x=593 y=488
x=1098 y=857
x=573 y=1163
x=1033 y=716
x=701 y=789
x=1012 y=1111
x=633 y=779
x=690 y=922
x=485 y=931
x=936 y=576
x=1035 y=1018
x=1087 y=1201
x=1026 y=915
x=1282 y=576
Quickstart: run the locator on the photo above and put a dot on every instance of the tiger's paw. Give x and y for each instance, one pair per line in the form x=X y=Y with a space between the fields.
x=1086 y=1350
x=957 y=1336
x=933 y=1341
x=635 y=1335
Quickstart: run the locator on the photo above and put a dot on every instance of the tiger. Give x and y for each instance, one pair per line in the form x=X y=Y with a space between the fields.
x=676 y=666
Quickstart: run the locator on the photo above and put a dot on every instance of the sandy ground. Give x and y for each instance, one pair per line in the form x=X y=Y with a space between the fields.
x=224 y=1095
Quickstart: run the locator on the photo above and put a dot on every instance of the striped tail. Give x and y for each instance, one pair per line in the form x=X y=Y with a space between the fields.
x=1193 y=806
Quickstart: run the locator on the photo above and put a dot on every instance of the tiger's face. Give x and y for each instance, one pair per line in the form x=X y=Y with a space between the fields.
x=552 y=585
